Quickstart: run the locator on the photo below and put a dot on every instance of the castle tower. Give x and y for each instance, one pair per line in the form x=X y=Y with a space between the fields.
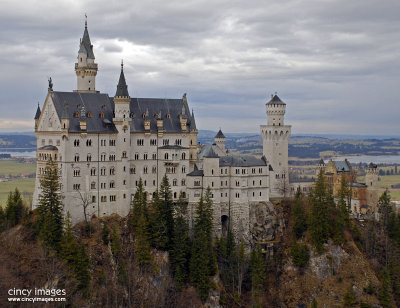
x=275 y=137
x=85 y=68
x=122 y=99
x=371 y=175
x=220 y=141
x=320 y=166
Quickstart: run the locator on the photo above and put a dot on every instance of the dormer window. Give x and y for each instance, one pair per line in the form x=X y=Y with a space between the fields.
x=89 y=114
x=102 y=115
x=168 y=116
x=77 y=114
x=79 y=106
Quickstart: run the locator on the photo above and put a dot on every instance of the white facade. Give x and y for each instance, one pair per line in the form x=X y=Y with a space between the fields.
x=275 y=137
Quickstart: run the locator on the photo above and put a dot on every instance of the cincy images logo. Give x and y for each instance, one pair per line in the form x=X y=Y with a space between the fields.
x=36 y=295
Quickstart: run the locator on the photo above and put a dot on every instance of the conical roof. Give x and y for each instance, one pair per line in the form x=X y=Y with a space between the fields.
x=275 y=100
x=220 y=134
x=86 y=45
x=192 y=121
x=38 y=112
x=122 y=88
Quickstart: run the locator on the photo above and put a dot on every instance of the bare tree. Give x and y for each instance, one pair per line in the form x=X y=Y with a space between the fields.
x=282 y=186
x=86 y=201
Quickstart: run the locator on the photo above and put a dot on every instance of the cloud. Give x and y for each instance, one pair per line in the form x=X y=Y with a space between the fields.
x=335 y=63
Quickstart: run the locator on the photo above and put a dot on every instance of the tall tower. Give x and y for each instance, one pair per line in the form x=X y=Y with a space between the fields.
x=85 y=68
x=371 y=175
x=220 y=141
x=275 y=137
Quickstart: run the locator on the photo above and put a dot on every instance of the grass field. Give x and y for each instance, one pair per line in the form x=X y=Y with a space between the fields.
x=25 y=186
x=14 y=168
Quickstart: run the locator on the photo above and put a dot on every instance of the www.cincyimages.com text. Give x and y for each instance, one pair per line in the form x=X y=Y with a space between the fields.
x=36 y=295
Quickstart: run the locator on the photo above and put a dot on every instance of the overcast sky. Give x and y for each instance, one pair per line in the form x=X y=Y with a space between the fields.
x=336 y=64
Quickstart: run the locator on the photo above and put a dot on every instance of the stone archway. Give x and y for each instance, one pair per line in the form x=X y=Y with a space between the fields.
x=224 y=225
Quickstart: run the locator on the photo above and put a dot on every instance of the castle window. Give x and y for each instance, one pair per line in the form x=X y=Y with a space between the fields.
x=76 y=186
x=111 y=157
x=112 y=184
x=212 y=171
x=76 y=143
x=196 y=183
x=168 y=116
x=153 y=141
x=154 y=156
x=183 y=182
x=154 y=184
x=76 y=114
x=112 y=171
x=124 y=182
x=136 y=156
x=183 y=195
x=93 y=185
x=124 y=154
x=113 y=198
x=89 y=142
x=212 y=184
x=145 y=170
x=154 y=169
x=237 y=183
x=260 y=193
x=133 y=170
x=166 y=156
x=140 y=142
x=145 y=156
x=260 y=182
x=112 y=142
x=178 y=141
x=77 y=172
x=89 y=114
x=103 y=171
x=165 y=141
x=89 y=157
x=175 y=182
x=76 y=158
x=175 y=195
x=183 y=169
x=183 y=156
x=103 y=198
x=93 y=199
x=93 y=171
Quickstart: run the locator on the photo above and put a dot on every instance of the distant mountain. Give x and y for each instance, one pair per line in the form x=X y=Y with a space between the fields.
x=17 y=142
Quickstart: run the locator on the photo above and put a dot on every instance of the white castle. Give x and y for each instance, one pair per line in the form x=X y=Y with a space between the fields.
x=103 y=145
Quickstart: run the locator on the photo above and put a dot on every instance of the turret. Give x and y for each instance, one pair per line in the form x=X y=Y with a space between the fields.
x=82 y=119
x=371 y=175
x=276 y=111
x=122 y=99
x=85 y=68
x=183 y=118
x=220 y=141
x=37 y=117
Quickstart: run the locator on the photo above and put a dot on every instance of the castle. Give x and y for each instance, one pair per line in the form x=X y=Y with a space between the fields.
x=103 y=145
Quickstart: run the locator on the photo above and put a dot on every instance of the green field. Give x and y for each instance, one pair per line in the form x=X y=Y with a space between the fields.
x=14 y=168
x=25 y=186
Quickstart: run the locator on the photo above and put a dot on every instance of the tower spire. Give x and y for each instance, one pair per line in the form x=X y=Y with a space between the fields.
x=122 y=88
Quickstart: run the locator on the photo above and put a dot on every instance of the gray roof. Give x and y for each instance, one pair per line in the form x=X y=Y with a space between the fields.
x=168 y=109
x=122 y=88
x=208 y=151
x=372 y=166
x=93 y=103
x=275 y=100
x=86 y=45
x=321 y=162
x=192 y=121
x=342 y=165
x=356 y=184
x=68 y=103
x=49 y=148
x=196 y=172
x=38 y=112
x=219 y=134
x=173 y=147
x=241 y=161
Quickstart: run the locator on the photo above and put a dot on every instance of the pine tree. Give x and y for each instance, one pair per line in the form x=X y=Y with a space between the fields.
x=82 y=269
x=116 y=245
x=314 y=303
x=349 y=299
x=299 y=215
x=180 y=252
x=202 y=262
x=50 y=207
x=142 y=242
x=385 y=292
x=257 y=274
x=139 y=205
x=3 y=219
x=167 y=212
x=300 y=254
x=342 y=206
x=14 y=208
x=320 y=224
x=105 y=234
x=384 y=208
x=69 y=246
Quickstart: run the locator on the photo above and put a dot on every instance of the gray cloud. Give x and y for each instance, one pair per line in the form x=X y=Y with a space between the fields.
x=335 y=63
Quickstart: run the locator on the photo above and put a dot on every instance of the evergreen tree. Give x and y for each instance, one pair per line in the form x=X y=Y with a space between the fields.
x=14 y=208
x=180 y=252
x=50 y=223
x=342 y=206
x=75 y=256
x=384 y=208
x=142 y=242
x=300 y=254
x=385 y=292
x=349 y=299
x=139 y=205
x=299 y=215
x=314 y=303
x=257 y=274
x=116 y=245
x=3 y=219
x=202 y=262
x=322 y=202
x=167 y=213
x=105 y=234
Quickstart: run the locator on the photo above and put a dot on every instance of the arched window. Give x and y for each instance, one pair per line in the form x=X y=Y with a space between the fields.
x=183 y=156
x=166 y=156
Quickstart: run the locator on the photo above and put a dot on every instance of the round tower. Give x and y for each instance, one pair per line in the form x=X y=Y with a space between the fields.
x=276 y=143
x=371 y=175
x=85 y=68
